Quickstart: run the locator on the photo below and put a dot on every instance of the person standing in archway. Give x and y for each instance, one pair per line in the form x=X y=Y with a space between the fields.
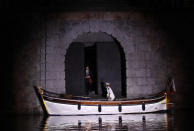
x=88 y=80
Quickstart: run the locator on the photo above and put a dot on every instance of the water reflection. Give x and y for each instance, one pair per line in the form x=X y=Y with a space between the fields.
x=138 y=122
x=108 y=122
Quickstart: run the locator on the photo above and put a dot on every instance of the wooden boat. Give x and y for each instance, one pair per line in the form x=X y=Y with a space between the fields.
x=56 y=104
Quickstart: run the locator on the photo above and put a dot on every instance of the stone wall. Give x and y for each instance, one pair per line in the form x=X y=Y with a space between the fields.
x=39 y=57
x=145 y=69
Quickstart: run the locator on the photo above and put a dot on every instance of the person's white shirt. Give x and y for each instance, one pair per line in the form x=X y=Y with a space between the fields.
x=110 y=93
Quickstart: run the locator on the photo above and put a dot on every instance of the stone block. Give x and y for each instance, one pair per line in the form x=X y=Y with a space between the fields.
x=57 y=86
x=52 y=41
x=55 y=58
x=131 y=57
x=131 y=72
x=42 y=58
x=42 y=67
x=141 y=72
x=142 y=81
x=131 y=81
x=143 y=47
x=42 y=50
x=54 y=50
x=55 y=75
x=83 y=27
x=148 y=72
x=144 y=90
x=131 y=48
x=94 y=25
x=131 y=93
x=108 y=27
x=139 y=64
x=42 y=75
x=54 y=67
x=151 y=81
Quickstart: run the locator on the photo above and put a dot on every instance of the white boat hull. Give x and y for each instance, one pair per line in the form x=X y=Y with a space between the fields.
x=72 y=109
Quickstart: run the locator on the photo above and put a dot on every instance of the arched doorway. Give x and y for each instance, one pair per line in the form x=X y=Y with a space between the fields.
x=106 y=60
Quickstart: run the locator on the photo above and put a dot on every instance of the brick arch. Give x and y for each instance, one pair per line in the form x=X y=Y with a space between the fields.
x=115 y=33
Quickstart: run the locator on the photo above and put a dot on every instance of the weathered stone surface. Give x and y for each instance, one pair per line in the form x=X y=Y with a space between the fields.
x=149 y=57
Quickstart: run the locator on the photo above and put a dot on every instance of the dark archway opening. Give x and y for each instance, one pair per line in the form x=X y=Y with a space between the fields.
x=106 y=60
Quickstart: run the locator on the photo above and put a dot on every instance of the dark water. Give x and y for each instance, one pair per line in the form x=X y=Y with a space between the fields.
x=177 y=120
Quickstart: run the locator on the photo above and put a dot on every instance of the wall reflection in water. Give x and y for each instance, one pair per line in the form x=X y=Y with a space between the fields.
x=108 y=122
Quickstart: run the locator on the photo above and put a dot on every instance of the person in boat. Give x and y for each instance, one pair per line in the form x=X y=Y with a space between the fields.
x=88 y=80
x=110 y=94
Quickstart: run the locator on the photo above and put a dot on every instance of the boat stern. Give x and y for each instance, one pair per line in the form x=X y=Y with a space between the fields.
x=39 y=93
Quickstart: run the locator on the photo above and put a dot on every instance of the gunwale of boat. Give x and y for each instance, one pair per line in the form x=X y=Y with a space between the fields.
x=155 y=98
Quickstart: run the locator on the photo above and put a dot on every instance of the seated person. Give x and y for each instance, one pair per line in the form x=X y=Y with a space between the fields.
x=110 y=94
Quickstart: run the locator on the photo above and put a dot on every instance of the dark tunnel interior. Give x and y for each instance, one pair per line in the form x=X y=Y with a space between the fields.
x=106 y=62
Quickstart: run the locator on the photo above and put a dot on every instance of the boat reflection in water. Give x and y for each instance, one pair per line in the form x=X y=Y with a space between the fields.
x=157 y=121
